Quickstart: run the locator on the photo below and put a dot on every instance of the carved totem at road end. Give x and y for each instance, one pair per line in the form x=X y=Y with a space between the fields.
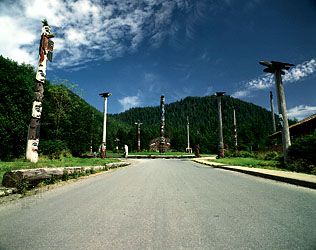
x=45 y=53
x=162 y=147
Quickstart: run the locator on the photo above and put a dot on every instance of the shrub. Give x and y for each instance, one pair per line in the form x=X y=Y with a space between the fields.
x=54 y=149
x=273 y=155
x=243 y=154
x=301 y=155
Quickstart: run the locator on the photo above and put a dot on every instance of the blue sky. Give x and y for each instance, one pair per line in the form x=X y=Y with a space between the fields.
x=139 y=50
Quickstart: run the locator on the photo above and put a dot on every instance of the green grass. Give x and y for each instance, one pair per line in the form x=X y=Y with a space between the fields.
x=250 y=162
x=157 y=153
x=47 y=163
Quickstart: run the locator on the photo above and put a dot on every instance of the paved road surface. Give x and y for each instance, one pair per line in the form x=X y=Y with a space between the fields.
x=164 y=204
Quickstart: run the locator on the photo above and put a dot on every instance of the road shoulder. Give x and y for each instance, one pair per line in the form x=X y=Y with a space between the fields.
x=299 y=179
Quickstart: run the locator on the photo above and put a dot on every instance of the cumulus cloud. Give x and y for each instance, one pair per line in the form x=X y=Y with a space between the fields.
x=129 y=102
x=265 y=81
x=86 y=30
x=301 y=111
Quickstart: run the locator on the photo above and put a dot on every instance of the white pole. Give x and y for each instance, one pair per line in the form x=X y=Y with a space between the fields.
x=235 y=129
x=188 y=130
x=104 y=121
x=103 y=146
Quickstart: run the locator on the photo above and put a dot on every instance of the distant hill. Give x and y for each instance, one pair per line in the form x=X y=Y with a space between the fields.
x=253 y=123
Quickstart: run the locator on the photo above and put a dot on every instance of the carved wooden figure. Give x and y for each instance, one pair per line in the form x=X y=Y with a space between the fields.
x=45 y=52
x=162 y=147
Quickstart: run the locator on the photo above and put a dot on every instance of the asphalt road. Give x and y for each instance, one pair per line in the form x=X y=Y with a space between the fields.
x=164 y=204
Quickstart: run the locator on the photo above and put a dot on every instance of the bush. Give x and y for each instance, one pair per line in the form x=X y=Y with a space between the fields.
x=271 y=156
x=301 y=155
x=54 y=149
x=243 y=154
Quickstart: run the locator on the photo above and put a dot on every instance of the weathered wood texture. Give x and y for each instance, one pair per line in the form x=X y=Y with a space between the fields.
x=34 y=176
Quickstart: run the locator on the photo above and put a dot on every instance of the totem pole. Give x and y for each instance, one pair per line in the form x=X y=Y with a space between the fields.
x=272 y=112
x=45 y=53
x=138 y=135
x=220 y=125
x=162 y=140
x=188 y=149
x=235 y=130
x=277 y=68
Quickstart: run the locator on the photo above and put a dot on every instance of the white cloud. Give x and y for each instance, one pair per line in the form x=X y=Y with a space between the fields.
x=265 y=81
x=302 y=111
x=12 y=39
x=241 y=94
x=300 y=71
x=129 y=102
x=86 y=30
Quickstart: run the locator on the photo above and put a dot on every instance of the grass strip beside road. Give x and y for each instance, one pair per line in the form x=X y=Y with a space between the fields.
x=157 y=153
x=250 y=162
x=48 y=163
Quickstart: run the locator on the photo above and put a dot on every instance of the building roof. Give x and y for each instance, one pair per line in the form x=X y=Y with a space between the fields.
x=305 y=126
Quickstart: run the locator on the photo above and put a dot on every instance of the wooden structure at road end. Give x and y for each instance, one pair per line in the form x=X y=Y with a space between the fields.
x=162 y=142
x=188 y=149
x=154 y=144
x=299 y=129
x=138 y=124
x=45 y=53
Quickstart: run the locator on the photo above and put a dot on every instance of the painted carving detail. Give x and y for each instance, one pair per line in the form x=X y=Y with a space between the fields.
x=45 y=53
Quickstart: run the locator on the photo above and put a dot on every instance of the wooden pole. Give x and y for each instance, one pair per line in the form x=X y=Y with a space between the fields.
x=277 y=68
x=162 y=140
x=220 y=125
x=138 y=135
x=235 y=130
x=286 y=140
x=45 y=53
x=272 y=112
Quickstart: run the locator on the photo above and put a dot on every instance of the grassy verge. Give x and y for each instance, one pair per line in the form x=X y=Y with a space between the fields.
x=157 y=153
x=250 y=162
x=47 y=163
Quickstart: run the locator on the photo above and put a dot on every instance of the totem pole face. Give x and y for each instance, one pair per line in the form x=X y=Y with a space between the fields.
x=46 y=30
x=40 y=75
x=45 y=52
x=37 y=109
x=32 y=154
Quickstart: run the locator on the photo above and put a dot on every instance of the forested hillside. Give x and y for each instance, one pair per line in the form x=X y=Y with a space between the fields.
x=69 y=123
x=253 y=123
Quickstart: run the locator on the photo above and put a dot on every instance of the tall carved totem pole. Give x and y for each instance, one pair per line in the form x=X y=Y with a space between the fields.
x=45 y=53
x=162 y=141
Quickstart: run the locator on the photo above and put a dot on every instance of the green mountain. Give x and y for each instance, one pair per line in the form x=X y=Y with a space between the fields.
x=253 y=123
x=68 y=122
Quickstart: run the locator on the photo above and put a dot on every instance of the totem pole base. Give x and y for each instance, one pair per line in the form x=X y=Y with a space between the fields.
x=220 y=154
x=31 y=151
